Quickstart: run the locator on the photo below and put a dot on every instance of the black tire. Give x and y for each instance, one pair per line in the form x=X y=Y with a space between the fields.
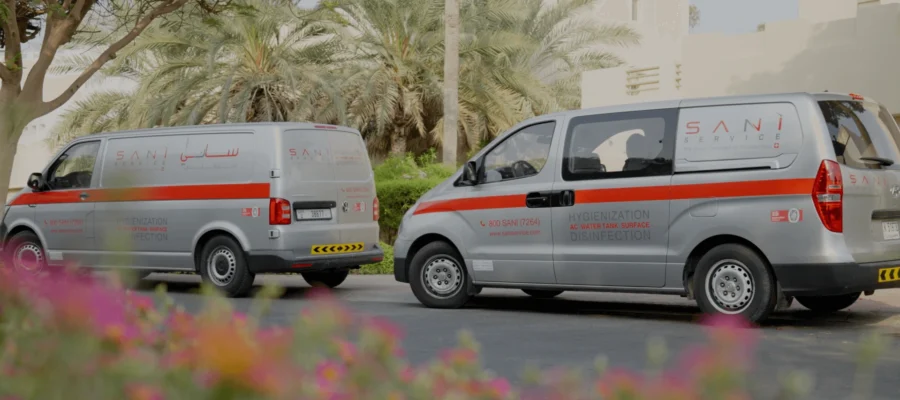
x=223 y=265
x=748 y=286
x=542 y=294
x=330 y=279
x=828 y=304
x=25 y=254
x=443 y=259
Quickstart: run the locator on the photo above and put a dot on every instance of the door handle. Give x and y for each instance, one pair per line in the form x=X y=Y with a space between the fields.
x=537 y=200
x=84 y=195
x=567 y=198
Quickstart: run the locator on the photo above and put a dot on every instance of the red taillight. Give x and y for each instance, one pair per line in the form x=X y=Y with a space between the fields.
x=376 y=211
x=828 y=196
x=857 y=97
x=279 y=212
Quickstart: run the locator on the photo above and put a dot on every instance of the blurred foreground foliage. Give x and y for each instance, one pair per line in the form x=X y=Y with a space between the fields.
x=68 y=335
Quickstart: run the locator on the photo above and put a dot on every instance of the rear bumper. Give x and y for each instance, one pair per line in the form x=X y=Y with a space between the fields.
x=836 y=279
x=281 y=262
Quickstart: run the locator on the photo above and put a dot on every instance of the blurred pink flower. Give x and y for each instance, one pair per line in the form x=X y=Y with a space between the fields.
x=346 y=350
x=499 y=387
x=143 y=392
x=329 y=374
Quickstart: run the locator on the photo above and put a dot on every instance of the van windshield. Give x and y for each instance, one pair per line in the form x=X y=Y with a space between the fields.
x=861 y=130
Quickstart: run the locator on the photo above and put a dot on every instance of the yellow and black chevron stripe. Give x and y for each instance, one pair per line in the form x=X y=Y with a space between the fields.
x=337 y=248
x=889 y=275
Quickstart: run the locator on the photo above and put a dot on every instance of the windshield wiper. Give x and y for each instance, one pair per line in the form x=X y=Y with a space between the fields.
x=881 y=160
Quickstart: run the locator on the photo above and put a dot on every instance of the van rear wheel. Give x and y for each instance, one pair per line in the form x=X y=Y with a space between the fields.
x=828 y=304
x=223 y=265
x=438 y=276
x=331 y=279
x=732 y=279
x=542 y=294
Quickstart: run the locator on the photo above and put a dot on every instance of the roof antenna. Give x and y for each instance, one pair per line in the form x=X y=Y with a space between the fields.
x=826 y=90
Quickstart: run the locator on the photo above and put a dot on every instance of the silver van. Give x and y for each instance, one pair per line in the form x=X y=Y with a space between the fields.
x=225 y=201
x=742 y=203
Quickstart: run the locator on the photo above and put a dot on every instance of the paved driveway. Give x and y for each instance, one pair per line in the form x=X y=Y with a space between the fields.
x=572 y=330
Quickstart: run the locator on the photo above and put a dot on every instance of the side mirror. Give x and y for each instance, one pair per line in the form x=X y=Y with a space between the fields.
x=36 y=182
x=470 y=174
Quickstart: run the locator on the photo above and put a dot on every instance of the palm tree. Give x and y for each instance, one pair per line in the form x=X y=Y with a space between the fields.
x=272 y=63
x=519 y=58
x=373 y=65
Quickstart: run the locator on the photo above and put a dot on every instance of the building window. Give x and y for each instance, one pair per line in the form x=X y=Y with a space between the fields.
x=634 y=10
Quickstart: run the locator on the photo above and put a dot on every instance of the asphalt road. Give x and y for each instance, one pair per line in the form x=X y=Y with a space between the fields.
x=573 y=329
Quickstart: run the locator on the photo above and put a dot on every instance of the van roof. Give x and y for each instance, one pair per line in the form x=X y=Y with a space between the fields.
x=223 y=128
x=699 y=102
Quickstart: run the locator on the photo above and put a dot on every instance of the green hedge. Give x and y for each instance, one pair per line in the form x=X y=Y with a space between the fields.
x=400 y=182
x=385 y=267
x=395 y=198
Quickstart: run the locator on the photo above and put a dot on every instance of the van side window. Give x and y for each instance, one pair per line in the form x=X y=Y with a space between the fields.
x=623 y=145
x=74 y=168
x=520 y=155
x=849 y=133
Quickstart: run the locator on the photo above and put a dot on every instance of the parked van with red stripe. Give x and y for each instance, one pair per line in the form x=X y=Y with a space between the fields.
x=742 y=203
x=225 y=201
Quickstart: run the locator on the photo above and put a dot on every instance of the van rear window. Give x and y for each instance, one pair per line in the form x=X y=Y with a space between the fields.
x=859 y=130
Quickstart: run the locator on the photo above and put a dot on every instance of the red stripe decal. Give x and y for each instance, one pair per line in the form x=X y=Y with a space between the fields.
x=158 y=193
x=471 y=203
x=781 y=187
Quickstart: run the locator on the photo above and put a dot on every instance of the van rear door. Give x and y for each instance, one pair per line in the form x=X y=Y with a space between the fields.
x=865 y=136
x=329 y=182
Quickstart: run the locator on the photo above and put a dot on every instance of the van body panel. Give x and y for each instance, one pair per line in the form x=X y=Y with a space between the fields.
x=326 y=170
x=616 y=232
x=758 y=188
x=154 y=194
x=503 y=239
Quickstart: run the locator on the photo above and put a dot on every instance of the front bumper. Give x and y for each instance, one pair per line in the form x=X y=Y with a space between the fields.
x=280 y=262
x=836 y=279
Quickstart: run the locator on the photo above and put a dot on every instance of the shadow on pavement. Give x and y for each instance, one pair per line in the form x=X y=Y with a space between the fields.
x=661 y=308
x=792 y=318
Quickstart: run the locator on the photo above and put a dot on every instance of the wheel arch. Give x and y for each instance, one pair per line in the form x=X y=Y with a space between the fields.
x=201 y=241
x=423 y=241
x=708 y=244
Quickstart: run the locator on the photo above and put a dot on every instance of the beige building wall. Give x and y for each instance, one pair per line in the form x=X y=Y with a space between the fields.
x=835 y=45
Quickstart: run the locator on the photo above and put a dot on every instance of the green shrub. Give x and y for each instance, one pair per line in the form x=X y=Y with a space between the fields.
x=395 y=198
x=410 y=167
x=385 y=267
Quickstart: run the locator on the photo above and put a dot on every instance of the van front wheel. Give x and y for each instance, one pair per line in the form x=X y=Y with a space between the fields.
x=438 y=276
x=331 y=279
x=25 y=254
x=732 y=279
x=828 y=304
x=223 y=265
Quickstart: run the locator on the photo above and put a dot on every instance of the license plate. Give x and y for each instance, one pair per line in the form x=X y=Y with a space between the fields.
x=312 y=215
x=891 y=230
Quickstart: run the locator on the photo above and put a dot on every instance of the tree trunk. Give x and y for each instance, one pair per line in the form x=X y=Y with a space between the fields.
x=7 y=155
x=13 y=120
x=398 y=144
x=451 y=81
